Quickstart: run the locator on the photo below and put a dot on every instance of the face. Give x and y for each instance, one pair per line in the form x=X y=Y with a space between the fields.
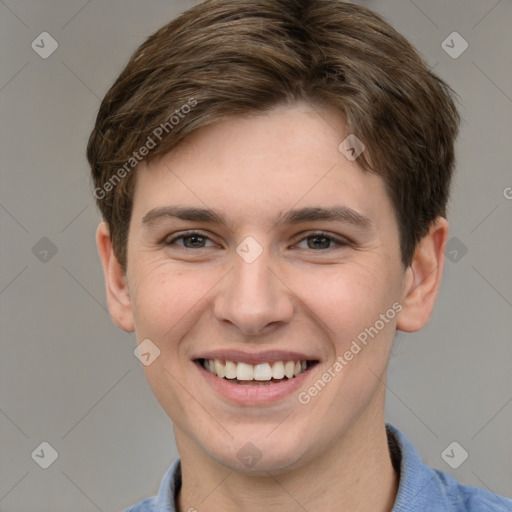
x=257 y=242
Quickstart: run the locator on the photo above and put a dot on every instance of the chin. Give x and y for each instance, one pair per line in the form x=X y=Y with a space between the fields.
x=260 y=457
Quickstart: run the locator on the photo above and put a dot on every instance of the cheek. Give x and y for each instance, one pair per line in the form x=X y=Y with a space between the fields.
x=162 y=303
x=349 y=298
x=164 y=307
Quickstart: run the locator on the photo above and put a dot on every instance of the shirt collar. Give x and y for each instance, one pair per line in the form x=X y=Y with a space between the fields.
x=169 y=488
x=415 y=478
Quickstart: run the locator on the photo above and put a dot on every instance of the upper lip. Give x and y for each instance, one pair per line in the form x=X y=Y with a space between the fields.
x=267 y=356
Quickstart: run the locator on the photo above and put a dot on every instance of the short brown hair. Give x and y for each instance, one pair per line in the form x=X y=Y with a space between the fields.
x=224 y=58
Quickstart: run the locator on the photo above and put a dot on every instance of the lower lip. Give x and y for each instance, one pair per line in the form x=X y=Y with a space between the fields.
x=253 y=394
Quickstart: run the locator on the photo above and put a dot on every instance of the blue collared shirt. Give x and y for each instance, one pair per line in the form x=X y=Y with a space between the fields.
x=421 y=488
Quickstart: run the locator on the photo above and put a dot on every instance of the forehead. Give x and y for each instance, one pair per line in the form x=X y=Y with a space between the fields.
x=266 y=164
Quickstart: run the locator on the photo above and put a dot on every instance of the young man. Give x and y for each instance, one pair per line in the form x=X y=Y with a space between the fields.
x=273 y=177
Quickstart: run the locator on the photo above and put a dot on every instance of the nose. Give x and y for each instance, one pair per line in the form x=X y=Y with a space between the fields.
x=253 y=297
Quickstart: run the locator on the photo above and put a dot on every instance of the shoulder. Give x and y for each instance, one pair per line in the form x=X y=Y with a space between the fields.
x=431 y=490
x=465 y=498
x=147 y=505
x=167 y=494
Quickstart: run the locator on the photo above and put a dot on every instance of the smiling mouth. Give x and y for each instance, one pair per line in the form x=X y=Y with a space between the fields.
x=256 y=374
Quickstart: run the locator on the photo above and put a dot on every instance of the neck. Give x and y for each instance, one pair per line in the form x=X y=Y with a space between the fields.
x=356 y=473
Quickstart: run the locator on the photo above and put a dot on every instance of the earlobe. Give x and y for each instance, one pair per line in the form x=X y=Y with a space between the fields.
x=423 y=278
x=118 y=296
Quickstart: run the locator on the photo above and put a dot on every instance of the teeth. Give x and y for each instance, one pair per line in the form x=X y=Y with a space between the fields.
x=244 y=371
x=262 y=372
x=289 y=367
x=278 y=370
x=259 y=372
x=230 y=370
x=220 y=369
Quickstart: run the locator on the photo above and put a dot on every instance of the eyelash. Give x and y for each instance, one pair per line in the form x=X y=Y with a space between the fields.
x=320 y=234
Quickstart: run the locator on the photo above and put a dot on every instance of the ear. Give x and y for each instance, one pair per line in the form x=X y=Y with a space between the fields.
x=118 y=296
x=423 y=278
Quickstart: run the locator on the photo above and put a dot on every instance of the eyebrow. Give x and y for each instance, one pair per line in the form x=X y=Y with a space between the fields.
x=307 y=214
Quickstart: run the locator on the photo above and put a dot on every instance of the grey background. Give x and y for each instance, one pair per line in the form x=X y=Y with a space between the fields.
x=68 y=376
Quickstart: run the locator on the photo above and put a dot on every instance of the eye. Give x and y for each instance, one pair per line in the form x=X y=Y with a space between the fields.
x=191 y=240
x=198 y=240
x=321 y=240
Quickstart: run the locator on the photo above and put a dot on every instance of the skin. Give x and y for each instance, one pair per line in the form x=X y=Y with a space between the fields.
x=294 y=296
